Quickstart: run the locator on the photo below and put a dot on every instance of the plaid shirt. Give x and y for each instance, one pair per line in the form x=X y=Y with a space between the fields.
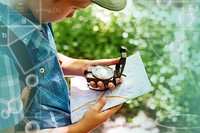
x=37 y=67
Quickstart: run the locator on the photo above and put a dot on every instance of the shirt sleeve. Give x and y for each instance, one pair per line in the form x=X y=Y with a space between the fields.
x=11 y=107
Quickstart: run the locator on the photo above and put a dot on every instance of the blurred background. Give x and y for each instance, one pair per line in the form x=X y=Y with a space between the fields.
x=167 y=34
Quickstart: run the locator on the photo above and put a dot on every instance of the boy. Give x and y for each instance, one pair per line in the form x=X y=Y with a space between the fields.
x=26 y=32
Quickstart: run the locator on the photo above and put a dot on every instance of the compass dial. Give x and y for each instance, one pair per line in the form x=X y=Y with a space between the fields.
x=102 y=72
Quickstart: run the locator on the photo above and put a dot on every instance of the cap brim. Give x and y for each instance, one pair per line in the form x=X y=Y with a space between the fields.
x=114 y=5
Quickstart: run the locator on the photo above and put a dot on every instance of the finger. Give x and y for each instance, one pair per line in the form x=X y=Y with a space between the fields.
x=101 y=102
x=93 y=84
x=111 y=86
x=112 y=110
x=119 y=80
x=106 y=62
x=100 y=85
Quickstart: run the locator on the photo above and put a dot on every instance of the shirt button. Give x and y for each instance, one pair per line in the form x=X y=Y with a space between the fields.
x=42 y=70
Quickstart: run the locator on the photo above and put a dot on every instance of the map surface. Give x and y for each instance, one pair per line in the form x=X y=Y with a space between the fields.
x=135 y=84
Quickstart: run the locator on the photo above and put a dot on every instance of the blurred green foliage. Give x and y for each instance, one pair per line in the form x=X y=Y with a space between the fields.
x=169 y=45
x=86 y=36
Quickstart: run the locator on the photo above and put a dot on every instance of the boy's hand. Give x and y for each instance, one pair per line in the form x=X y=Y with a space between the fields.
x=101 y=85
x=76 y=67
x=106 y=62
x=94 y=117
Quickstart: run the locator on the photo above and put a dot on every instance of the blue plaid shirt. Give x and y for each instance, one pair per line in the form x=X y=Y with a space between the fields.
x=34 y=65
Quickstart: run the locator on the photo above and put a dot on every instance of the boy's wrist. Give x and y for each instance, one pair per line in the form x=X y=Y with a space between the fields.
x=81 y=126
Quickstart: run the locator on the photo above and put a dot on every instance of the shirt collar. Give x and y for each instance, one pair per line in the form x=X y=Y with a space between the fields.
x=21 y=26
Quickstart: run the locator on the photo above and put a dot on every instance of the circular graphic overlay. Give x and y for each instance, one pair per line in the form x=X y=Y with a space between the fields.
x=193 y=8
x=182 y=121
x=32 y=80
x=15 y=106
x=186 y=19
x=102 y=72
x=163 y=3
x=32 y=126
x=5 y=114
x=176 y=46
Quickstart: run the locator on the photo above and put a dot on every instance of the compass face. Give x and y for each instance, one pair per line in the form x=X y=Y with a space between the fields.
x=102 y=72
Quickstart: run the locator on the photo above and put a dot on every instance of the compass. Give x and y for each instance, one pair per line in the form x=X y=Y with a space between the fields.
x=103 y=72
x=106 y=74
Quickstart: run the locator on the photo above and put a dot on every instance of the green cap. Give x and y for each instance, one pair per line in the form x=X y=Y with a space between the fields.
x=114 y=5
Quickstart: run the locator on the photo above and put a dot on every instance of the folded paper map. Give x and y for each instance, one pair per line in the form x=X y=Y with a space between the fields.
x=135 y=84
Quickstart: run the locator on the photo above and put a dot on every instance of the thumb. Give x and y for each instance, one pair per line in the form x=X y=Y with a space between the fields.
x=99 y=105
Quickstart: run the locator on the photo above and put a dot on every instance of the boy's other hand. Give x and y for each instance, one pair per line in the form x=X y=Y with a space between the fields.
x=94 y=116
